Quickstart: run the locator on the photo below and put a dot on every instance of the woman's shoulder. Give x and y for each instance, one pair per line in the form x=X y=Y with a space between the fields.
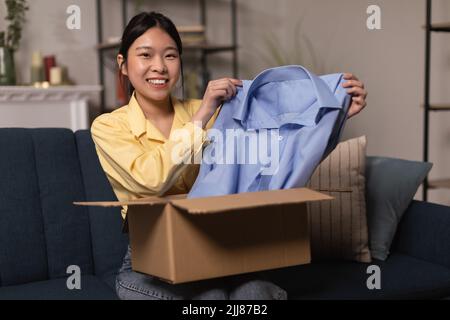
x=113 y=118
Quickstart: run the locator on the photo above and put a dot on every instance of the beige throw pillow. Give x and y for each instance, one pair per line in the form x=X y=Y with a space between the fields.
x=339 y=227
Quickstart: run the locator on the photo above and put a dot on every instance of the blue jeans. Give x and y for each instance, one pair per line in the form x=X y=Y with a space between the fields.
x=131 y=285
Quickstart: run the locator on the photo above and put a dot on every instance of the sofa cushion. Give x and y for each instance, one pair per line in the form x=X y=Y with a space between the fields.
x=110 y=279
x=339 y=227
x=391 y=185
x=41 y=231
x=92 y=288
x=109 y=244
x=402 y=277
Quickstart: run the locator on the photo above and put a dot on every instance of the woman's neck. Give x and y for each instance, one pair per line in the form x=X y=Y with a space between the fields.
x=155 y=109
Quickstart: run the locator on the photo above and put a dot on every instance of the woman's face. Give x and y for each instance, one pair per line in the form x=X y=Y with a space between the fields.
x=153 y=65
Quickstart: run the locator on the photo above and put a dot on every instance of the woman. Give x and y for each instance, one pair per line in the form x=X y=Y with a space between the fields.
x=135 y=144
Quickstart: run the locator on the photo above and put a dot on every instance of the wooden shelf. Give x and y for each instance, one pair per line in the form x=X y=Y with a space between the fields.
x=439 y=27
x=207 y=47
x=108 y=45
x=438 y=107
x=439 y=184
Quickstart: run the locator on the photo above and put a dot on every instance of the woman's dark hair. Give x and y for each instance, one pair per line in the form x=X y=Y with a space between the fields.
x=137 y=26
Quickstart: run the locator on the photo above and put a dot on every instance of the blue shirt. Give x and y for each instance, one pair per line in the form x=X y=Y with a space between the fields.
x=273 y=133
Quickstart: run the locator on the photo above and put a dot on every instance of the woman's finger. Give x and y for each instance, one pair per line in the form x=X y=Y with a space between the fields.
x=225 y=84
x=236 y=82
x=233 y=87
x=356 y=91
x=350 y=76
x=358 y=99
x=353 y=83
x=221 y=83
x=223 y=89
x=224 y=93
x=229 y=92
x=220 y=93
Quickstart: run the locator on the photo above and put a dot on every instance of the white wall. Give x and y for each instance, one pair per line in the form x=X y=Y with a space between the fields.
x=389 y=61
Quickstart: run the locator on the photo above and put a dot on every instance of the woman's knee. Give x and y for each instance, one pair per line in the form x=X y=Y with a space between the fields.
x=248 y=288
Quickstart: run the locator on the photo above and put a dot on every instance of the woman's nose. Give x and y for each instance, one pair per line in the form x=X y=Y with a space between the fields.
x=158 y=65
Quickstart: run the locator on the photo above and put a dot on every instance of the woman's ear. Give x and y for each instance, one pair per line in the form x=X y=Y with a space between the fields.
x=122 y=64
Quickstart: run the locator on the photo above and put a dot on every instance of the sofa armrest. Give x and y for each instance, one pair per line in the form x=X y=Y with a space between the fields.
x=424 y=232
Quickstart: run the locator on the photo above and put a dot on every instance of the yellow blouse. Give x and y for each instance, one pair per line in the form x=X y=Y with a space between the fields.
x=137 y=158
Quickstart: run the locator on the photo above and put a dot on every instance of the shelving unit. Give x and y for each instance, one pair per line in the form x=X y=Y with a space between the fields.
x=429 y=29
x=107 y=51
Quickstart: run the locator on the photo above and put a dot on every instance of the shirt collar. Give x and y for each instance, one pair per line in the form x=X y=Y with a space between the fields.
x=140 y=125
x=325 y=97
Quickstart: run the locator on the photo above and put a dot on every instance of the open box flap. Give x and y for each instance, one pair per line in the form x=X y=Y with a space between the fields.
x=247 y=200
x=141 y=201
x=151 y=200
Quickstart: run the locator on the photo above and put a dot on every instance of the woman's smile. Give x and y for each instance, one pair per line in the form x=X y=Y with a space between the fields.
x=158 y=83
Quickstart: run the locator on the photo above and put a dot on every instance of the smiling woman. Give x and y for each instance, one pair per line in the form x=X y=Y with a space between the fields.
x=137 y=144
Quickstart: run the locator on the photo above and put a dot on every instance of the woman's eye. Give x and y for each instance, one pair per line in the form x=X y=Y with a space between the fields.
x=171 y=56
x=145 y=55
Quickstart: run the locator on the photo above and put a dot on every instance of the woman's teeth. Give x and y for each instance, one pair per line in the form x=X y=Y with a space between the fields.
x=154 y=81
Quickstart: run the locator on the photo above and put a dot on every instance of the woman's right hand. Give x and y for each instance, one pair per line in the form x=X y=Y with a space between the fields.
x=216 y=92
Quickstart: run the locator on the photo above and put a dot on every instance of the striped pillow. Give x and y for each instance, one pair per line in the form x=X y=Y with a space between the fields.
x=339 y=227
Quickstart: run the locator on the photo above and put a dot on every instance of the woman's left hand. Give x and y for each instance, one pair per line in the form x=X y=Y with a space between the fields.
x=359 y=94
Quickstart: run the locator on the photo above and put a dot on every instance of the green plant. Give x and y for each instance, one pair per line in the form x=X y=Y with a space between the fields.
x=16 y=18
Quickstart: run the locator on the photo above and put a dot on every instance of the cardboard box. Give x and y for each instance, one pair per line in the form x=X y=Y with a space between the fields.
x=181 y=240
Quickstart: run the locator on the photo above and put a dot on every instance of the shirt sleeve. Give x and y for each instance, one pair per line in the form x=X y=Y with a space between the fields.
x=138 y=170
